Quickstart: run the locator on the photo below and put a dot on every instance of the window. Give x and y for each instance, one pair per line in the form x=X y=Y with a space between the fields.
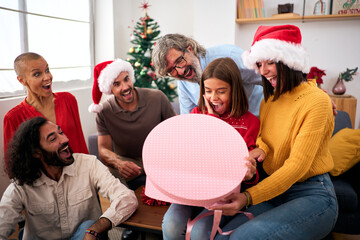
x=59 y=30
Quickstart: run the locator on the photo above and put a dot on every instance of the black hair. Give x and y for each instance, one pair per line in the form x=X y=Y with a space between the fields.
x=22 y=166
x=287 y=79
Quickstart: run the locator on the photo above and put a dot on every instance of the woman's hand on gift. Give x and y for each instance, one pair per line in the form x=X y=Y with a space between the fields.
x=258 y=154
x=231 y=204
x=251 y=164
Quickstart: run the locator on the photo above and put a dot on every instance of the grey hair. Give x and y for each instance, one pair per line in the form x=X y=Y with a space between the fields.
x=19 y=60
x=177 y=41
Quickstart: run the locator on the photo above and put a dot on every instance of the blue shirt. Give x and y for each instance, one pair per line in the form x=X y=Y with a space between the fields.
x=189 y=92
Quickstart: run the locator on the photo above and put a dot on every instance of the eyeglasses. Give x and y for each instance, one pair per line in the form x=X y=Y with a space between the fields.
x=179 y=63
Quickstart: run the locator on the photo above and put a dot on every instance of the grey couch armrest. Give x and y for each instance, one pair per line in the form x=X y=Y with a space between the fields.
x=93 y=145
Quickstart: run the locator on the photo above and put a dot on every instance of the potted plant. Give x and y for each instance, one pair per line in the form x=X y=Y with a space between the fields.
x=316 y=73
x=339 y=88
x=348 y=74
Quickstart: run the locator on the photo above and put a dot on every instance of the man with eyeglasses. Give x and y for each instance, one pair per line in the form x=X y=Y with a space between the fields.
x=183 y=58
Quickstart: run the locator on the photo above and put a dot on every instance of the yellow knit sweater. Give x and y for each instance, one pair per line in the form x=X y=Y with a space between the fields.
x=294 y=133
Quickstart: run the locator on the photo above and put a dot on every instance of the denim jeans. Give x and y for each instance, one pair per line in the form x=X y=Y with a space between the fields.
x=308 y=210
x=78 y=235
x=175 y=220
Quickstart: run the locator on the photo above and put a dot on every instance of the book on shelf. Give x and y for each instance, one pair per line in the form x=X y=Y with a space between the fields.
x=251 y=9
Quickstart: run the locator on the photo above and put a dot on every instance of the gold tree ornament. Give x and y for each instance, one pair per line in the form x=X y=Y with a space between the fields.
x=172 y=86
x=149 y=31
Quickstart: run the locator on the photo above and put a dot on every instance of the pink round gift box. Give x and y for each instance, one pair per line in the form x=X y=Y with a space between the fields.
x=193 y=159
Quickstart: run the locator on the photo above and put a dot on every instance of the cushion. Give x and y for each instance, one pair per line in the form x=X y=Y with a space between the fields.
x=352 y=176
x=348 y=223
x=345 y=150
x=346 y=195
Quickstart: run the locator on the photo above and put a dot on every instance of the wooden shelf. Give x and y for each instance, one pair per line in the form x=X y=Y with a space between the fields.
x=299 y=18
x=346 y=103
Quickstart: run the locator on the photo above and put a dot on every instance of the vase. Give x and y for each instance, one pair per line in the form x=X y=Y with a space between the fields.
x=339 y=87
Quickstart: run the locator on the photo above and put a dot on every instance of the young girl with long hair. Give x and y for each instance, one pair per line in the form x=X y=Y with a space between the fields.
x=222 y=95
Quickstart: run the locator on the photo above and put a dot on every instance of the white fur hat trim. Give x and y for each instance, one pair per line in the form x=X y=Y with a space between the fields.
x=95 y=108
x=292 y=55
x=111 y=72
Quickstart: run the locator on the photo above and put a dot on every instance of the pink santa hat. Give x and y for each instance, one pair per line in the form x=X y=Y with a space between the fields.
x=105 y=74
x=278 y=43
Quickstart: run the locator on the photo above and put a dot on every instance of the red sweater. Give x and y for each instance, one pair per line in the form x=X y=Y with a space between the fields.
x=67 y=117
x=247 y=125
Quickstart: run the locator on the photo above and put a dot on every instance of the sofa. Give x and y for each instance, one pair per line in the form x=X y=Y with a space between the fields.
x=347 y=185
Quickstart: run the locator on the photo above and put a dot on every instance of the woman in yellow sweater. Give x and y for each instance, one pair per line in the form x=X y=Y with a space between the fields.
x=296 y=199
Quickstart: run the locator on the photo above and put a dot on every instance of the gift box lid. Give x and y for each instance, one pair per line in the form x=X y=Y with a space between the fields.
x=193 y=159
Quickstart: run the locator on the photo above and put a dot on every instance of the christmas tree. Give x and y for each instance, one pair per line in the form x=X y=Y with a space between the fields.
x=144 y=37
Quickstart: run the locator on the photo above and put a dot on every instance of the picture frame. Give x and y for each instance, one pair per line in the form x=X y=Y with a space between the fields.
x=310 y=5
x=342 y=7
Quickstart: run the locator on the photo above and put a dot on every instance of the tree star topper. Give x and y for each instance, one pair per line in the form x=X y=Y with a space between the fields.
x=145 y=6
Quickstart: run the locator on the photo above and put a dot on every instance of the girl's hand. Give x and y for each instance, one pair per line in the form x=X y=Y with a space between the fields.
x=251 y=164
x=231 y=204
x=209 y=107
x=258 y=154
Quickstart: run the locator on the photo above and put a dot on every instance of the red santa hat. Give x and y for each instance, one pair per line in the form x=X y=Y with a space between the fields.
x=105 y=74
x=278 y=43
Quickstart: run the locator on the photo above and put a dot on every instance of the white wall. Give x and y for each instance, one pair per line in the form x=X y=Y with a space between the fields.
x=214 y=22
x=103 y=30
x=173 y=16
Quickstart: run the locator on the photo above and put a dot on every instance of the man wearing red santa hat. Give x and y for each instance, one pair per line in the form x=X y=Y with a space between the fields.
x=125 y=119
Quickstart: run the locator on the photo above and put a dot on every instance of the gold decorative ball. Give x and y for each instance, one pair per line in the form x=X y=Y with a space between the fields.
x=131 y=50
x=137 y=64
x=172 y=86
x=149 y=31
